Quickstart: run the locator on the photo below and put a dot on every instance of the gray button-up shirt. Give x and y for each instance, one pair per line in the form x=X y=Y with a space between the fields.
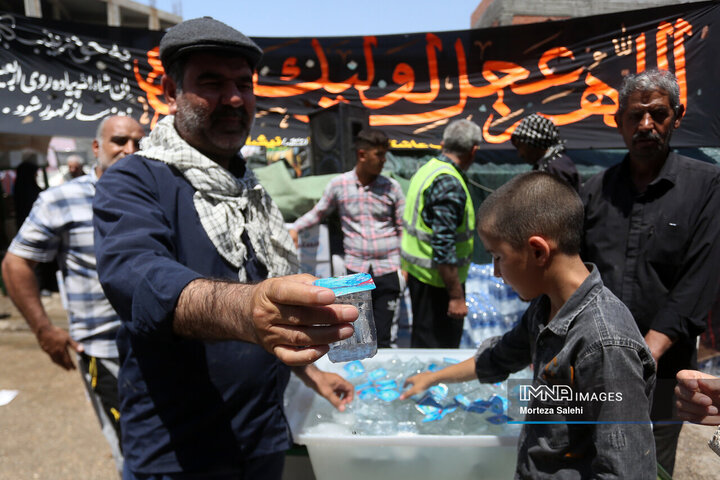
x=593 y=346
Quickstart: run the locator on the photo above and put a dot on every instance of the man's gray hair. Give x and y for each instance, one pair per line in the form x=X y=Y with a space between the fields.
x=649 y=81
x=461 y=136
x=101 y=125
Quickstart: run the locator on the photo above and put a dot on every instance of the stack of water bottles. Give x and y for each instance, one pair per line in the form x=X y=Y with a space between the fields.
x=493 y=307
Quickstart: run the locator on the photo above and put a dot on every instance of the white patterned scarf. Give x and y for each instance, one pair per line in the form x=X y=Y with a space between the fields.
x=227 y=206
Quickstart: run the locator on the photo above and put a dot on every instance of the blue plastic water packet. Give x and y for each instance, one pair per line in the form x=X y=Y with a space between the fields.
x=387 y=383
x=430 y=400
x=427 y=409
x=450 y=361
x=363 y=386
x=354 y=290
x=388 y=395
x=367 y=393
x=438 y=414
x=354 y=369
x=498 y=419
x=479 y=406
x=445 y=411
x=440 y=391
x=377 y=374
x=434 y=396
x=498 y=404
x=463 y=401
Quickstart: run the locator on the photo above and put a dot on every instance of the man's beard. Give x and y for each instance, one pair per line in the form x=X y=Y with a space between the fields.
x=196 y=120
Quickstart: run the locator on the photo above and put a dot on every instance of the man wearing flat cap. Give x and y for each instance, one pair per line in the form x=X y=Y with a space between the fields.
x=190 y=248
x=537 y=141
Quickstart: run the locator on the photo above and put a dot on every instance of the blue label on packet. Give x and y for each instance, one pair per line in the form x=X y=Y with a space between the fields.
x=450 y=361
x=388 y=395
x=463 y=401
x=363 y=386
x=385 y=384
x=377 y=374
x=358 y=282
x=367 y=393
x=433 y=367
x=354 y=369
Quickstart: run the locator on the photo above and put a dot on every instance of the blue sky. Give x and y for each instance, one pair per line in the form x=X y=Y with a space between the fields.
x=298 y=18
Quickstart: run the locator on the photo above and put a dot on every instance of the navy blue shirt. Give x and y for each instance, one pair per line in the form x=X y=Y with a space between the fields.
x=186 y=405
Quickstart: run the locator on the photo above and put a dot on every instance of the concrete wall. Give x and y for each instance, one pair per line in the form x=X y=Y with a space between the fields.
x=508 y=12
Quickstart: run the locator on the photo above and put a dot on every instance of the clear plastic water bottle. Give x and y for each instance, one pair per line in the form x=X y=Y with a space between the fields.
x=354 y=290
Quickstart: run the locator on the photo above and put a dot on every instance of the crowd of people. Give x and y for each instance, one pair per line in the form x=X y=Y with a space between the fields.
x=188 y=315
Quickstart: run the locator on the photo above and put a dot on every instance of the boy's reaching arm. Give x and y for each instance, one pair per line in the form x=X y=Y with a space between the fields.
x=498 y=357
x=460 y=372
x=495 y=359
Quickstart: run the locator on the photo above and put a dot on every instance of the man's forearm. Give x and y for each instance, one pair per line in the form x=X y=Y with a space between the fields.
x=658 y=343
x=288 y=316
x=214 y=310
x=449 y=274
x=22 y=286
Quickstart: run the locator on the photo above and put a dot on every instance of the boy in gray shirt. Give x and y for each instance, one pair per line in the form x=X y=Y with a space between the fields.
x=576 y=334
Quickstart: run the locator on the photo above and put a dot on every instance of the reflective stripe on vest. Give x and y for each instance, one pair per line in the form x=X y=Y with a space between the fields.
x=430 y=263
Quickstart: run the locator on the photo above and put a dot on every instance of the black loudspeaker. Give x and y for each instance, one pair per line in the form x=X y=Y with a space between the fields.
x=332 y=131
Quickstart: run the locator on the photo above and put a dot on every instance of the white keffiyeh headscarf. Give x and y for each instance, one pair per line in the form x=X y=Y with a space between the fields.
x=227 y=206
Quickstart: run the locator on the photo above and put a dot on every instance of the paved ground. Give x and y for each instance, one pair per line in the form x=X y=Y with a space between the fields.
x=49 y=431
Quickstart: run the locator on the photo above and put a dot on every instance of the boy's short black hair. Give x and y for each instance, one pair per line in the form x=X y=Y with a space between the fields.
x=371 y=138
x=534 y=203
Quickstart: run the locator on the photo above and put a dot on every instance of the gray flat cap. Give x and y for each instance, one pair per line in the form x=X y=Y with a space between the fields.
x=206 y=33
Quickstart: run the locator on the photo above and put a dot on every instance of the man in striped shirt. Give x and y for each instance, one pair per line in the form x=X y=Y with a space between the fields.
x=60 y=225
x=370 y=207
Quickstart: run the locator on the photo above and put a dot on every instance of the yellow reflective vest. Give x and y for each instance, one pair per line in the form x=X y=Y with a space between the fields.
x=416 y=254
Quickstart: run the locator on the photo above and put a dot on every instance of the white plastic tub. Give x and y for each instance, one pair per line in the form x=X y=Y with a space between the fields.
x=337 y=456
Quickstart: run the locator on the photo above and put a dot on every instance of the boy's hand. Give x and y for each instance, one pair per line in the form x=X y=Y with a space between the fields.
x=420 y=383
x=460 y=372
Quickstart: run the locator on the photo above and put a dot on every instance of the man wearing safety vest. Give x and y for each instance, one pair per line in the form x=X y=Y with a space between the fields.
x=437 y=243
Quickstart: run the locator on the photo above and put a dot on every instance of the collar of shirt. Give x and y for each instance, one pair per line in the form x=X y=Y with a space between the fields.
x=445 y=159
x=666 y=178
x=356 y=179
x=586 y=292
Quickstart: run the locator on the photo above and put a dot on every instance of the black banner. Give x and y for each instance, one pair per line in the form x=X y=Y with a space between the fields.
x=59 y=78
